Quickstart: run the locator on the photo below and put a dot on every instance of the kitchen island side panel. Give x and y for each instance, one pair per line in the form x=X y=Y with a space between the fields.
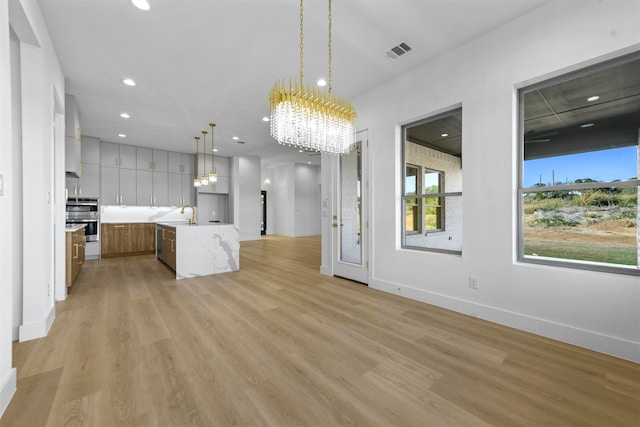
x=202 y=250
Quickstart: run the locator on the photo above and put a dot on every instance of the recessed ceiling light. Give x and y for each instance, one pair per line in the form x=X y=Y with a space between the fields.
x=444 y=135
x=215 y=150
x=129 y=82
x=300 y=151
x=593 y=98
x=141 y=4
x=124 y=115
x=235 y=138
x=586 y=125
x=265 y=119
x=122 y=135
x=308 y=163
x=322 y=83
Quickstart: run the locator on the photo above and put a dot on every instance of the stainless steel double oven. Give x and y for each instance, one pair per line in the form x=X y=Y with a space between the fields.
x=85 y=211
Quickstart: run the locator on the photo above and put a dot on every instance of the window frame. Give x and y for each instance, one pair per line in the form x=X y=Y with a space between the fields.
x=403 y=197
x=521 y=190
x=441 y=205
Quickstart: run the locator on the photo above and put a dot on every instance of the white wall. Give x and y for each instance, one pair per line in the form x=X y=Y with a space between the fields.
x=600 y=311
x=7 y=373
x=16 y=180
x=283 y=200
x=307 y=200
x=42 y=82
x=247 y=211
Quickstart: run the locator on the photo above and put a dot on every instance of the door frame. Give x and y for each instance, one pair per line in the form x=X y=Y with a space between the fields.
x=359 y=273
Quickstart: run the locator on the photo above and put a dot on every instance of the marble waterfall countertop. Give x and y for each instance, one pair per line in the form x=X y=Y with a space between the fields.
x=204 y=249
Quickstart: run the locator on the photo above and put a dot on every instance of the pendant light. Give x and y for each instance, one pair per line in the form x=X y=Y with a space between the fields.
x=213 y=176
x=196 y=180
x=204 y=180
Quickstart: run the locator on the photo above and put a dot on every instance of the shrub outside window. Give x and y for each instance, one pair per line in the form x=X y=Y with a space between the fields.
x=579 y=161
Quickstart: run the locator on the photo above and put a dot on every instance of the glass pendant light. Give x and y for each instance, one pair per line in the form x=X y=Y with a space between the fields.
x=196 y=181
x=213 y=176
x=204 y=179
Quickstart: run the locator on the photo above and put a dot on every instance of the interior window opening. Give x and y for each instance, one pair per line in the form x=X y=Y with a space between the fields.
x=432 y=183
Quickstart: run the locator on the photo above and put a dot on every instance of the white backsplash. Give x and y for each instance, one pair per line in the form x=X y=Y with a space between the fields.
x=122 y=214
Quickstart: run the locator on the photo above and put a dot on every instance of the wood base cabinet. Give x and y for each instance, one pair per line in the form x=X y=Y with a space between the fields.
x=169 y=246
x=76 y=245
x=127 y=239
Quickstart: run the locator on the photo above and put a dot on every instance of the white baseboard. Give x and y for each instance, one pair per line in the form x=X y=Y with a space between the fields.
x=7 y=389
x=37 y=329
x=614 y=346
x=326 y=270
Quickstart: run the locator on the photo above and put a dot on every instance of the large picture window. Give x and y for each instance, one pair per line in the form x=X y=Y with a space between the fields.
x=578 y=191
x=432 y=183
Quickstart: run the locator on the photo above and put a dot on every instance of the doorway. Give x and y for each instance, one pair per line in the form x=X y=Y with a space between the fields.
x=263 y=226
x=350 y=221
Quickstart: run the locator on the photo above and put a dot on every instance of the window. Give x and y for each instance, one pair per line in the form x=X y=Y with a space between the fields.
x=432 y=183
x=412 y=209
x=579 y=160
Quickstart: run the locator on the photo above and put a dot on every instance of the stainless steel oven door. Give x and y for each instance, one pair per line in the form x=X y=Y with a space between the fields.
x=91 y=230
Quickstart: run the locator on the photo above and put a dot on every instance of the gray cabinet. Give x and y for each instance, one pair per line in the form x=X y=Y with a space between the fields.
x=144 y=186
x=89 y=182
x=90 y=150
x=160 y=189
x=222 y=168
x=151 y=160
x=117 y=155
x=181 y=163
x=73 y=137
x=118 y=186
x=151 y=188
x=180 y=189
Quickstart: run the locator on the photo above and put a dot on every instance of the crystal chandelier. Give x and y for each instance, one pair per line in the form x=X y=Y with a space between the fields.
x=309 y=118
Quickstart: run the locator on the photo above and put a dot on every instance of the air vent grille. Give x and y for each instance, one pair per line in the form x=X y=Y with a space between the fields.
x=397 y=51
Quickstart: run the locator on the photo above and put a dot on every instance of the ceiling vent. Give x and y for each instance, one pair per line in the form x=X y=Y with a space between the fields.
x=397 y=51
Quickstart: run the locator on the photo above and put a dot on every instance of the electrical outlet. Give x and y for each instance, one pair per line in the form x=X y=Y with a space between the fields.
x=473 y=282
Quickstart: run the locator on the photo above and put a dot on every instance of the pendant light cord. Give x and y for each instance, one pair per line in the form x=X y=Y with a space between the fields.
x=301 y=44
x=330 y=59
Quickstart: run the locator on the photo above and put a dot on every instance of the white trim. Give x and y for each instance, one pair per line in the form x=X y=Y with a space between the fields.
x=591 y=340
x=39 y=329
x=7 y=389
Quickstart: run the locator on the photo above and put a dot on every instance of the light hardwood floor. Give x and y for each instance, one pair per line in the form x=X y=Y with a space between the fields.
x=278 y=344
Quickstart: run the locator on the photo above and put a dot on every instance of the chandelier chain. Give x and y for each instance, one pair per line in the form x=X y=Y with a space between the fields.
x=330 y=58
x=301 y=43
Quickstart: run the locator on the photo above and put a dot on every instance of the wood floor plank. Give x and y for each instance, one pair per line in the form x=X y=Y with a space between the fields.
x=278 y=344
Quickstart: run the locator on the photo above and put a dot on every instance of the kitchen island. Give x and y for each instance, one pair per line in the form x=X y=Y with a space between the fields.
x=198 y=249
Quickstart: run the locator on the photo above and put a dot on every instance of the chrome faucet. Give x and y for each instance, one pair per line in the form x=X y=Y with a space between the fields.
x=193 y=213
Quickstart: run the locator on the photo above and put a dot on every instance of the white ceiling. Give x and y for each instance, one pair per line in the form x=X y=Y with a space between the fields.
x=197 y=61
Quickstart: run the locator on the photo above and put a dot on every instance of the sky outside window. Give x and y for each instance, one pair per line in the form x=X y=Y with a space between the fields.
x=606 y=165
